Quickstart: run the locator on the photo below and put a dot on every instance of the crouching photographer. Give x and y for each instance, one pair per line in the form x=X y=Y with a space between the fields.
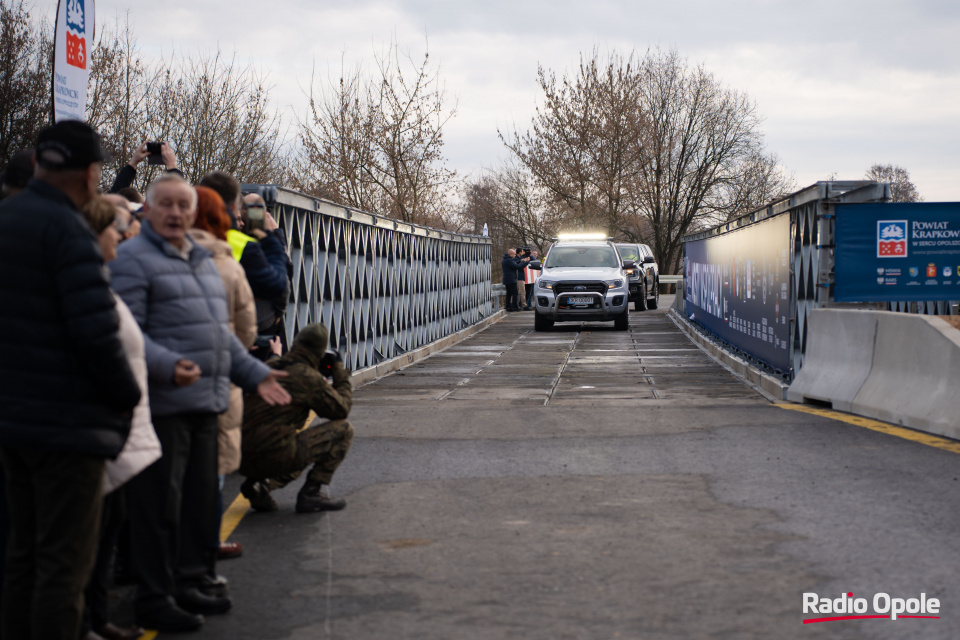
x=276 y=448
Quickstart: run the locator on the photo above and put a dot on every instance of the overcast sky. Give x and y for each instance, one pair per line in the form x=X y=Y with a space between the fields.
x=841 y=85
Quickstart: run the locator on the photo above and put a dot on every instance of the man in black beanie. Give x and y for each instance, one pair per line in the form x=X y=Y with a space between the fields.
x=276 y=447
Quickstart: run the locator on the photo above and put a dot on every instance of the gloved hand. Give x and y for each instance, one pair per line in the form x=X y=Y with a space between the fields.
x=328 y=361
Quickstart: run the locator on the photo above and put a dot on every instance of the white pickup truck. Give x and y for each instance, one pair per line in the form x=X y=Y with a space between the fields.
x=582 y=281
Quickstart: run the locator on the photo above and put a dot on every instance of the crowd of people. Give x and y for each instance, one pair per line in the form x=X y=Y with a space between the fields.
x=145 y=360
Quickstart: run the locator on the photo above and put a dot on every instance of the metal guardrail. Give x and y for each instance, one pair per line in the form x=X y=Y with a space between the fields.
x=497 y=291
x=381 y=286
x=671 y=279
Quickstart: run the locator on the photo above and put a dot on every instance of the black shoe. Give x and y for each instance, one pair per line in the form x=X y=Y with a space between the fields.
x=195 y=601
x=313 y=498
x=213 y=586
x=170 y=619
x=257 y=492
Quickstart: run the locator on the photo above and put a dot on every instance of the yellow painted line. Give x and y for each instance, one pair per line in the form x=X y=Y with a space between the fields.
x=232 y=516
x=875 y=425
x=149 y=635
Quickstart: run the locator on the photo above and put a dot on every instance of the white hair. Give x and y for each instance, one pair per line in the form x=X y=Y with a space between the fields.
x=171 y=178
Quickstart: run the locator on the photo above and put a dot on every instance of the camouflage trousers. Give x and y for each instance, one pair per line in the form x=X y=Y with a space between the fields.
x=325 y=445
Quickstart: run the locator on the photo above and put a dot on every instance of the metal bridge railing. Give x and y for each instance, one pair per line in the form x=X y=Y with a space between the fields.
x=381 y=286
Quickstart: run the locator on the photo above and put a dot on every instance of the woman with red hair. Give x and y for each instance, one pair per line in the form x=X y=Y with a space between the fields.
x=212 y=215
x=210 y=232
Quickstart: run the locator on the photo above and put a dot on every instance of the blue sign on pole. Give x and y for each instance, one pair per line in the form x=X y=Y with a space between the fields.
x=897 y=252
x=738 y=287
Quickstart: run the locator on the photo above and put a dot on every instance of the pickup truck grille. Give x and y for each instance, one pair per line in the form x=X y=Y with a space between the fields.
x=572 y=287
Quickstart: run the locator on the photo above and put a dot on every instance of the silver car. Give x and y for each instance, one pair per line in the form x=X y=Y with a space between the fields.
x=582 y=281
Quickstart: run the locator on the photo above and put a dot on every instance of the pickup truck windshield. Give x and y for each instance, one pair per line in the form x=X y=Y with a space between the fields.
x=630 y=253
x=582 y=257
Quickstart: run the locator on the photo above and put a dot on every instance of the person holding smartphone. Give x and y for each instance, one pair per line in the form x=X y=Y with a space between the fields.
x=261 y=252
x=270 y=310
x=257 y=214
x=153 y=153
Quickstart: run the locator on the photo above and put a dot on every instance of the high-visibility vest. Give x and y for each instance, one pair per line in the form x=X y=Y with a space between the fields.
x=238 y=241
x=530 y=275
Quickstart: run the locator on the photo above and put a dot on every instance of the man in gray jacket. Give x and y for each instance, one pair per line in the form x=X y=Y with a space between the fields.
x=175 y=292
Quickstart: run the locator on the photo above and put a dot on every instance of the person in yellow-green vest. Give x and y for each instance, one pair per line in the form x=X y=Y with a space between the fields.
x=261 y=252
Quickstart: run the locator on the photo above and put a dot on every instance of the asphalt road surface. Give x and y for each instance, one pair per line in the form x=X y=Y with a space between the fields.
x=589 y=483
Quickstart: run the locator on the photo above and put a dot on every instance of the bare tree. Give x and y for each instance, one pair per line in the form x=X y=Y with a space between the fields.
x=376 y=143
x=584 y=145
x=217 y=116
x=511 y=205
x=759 y=180
x=700 y=135
x=648 y=150
x=26 y=65
x=337 y=147
x=480 y=204
x=527 y=213
x=118 y=92
x=901 y=188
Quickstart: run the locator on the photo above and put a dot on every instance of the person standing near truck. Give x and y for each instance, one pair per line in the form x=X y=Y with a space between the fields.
x=512 y=266
x=530 y=277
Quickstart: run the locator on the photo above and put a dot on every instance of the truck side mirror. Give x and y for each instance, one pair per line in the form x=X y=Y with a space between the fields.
x=535 y=265
x=649 y=259
x=629 y=264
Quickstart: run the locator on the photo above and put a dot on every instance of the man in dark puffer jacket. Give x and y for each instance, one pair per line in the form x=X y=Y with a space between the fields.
x=66 y=390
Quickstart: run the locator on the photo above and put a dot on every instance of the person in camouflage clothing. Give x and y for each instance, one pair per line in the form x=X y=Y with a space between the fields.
x=275 y=446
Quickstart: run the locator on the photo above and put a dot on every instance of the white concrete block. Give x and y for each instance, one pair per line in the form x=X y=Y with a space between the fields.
x=915 y=373
x=839 y=357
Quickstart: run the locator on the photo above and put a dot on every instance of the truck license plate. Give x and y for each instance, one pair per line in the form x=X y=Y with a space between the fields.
x=579 y=300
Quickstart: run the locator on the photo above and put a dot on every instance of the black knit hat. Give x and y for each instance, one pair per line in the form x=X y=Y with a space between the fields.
x=69 y=144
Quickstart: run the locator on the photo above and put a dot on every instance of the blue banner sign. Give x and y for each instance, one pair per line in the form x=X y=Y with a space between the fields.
x=738 y=287
x=897 y=252
x=73 y=44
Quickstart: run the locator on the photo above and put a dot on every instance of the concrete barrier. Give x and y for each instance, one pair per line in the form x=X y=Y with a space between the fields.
x=913 y=382
x=895 y=367
x=679 y=301
x=839 y=357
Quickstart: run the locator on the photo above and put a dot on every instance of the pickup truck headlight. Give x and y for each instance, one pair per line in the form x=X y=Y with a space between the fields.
x=545 y=284
x=614 y=284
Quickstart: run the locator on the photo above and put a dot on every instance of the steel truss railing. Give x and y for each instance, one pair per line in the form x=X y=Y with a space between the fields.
x=382 y=287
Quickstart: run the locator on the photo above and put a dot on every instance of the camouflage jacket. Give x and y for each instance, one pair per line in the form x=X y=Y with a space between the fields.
x=264 y=425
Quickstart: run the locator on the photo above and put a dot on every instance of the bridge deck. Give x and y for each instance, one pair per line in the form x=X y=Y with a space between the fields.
x=575 y=364
x=588 y=483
